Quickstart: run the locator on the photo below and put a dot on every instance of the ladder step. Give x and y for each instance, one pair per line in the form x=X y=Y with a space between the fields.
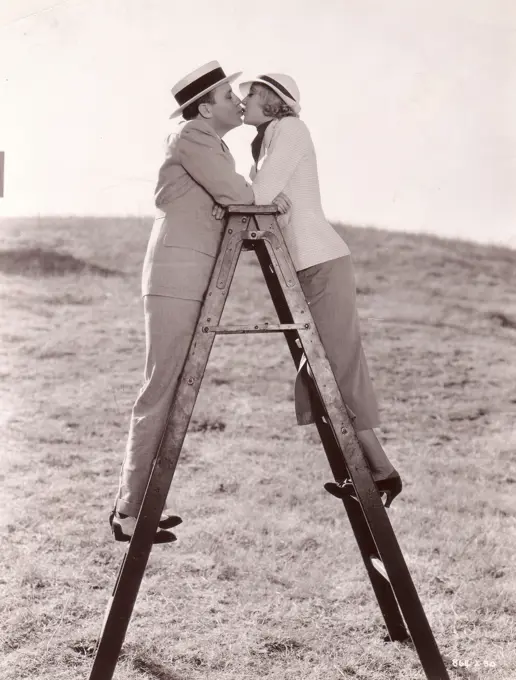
x=257 y=328
x=379 y=566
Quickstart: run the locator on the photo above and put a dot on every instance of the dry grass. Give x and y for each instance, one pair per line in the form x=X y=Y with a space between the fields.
x=266 y=580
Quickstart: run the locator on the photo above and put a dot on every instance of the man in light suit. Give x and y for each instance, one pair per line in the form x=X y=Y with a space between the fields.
x=198 y=172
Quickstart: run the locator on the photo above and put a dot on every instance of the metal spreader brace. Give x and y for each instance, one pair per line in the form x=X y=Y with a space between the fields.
x=257 y=228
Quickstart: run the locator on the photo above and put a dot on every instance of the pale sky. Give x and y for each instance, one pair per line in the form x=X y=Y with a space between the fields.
x=411 y=103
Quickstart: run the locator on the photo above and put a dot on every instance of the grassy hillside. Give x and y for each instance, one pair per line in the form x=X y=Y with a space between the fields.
x=266 y=580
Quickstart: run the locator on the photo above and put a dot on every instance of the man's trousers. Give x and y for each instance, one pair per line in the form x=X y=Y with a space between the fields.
x=170 y=324
x=169 y=328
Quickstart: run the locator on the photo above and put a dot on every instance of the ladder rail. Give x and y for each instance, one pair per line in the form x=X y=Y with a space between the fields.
x=130 y=576
x=372 y=507
x=382 y=589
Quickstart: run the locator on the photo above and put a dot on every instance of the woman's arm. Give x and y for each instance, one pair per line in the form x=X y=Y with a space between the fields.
x=287 y=148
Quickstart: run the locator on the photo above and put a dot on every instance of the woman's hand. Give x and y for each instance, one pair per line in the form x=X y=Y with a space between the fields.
x=218 y=211
x=283 y=202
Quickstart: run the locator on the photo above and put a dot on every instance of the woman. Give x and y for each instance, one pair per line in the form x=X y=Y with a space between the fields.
x=285 y=162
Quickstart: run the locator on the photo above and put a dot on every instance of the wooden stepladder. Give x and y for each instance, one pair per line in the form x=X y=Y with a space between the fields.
x=256 y=226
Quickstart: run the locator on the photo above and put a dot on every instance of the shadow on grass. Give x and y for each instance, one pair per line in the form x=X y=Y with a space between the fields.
x=148 y=666
x=503 y=320
x=35 y=262
x=154 y=669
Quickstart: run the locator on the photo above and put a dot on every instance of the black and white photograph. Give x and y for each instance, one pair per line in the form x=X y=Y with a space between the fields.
x=258 y=340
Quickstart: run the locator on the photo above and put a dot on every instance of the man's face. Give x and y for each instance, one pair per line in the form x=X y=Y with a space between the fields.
x=253 y=105
x=226 y=111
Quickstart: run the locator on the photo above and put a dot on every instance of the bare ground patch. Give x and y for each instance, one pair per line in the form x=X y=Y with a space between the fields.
x=37 y=262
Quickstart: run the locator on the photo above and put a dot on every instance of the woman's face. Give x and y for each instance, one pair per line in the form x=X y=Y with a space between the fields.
x=253 y=105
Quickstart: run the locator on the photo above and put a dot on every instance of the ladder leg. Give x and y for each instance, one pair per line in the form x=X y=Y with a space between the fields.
x=379 y=548
x=387 y=553
x=374 y=514
x=381 y=586
x=382 y=589
x=130 y=575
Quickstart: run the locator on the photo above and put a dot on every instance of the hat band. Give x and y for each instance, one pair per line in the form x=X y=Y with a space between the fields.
x=199 y=85
x=278 y=85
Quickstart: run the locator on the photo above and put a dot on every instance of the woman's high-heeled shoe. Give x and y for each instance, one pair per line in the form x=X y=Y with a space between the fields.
x=391 y=486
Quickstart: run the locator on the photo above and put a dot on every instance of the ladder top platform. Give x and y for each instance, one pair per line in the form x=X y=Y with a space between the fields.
x=252 y=209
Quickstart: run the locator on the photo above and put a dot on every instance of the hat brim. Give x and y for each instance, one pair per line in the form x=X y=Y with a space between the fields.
x=246 y=86
x=227 y=79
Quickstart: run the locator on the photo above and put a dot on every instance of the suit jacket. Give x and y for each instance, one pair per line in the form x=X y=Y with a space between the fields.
x=198 y=171
x=287 y=163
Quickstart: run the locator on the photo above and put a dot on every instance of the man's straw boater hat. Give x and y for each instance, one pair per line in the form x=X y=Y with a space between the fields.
x=198 y=83
x=284 y=86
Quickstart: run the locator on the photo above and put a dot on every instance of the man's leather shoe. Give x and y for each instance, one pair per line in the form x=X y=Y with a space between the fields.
x=122 y=527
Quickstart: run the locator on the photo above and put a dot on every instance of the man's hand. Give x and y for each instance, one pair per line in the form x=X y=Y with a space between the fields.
x=283 y=202
x=218 y=211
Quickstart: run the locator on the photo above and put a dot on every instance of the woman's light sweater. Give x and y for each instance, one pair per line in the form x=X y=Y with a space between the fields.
x=288 y=164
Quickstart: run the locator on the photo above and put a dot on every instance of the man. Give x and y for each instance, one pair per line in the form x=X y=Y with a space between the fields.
x=198 y=172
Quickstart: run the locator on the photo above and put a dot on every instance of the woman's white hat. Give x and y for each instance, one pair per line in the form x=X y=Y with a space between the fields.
x=284 y=86
x=198 y=83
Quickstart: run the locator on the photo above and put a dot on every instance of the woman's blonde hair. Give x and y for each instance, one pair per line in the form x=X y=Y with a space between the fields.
x=272 y=104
